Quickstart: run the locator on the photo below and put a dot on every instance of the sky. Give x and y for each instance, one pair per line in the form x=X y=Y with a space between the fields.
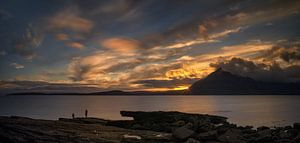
x=98 y=45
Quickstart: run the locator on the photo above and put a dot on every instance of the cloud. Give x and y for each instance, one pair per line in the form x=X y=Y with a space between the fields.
x=97 y=68
x=203 y=32
x=121 y=45
x=185 y=58
x=171 y=84
x=260 y=71
x=110 y=69
x=75 y=45
x=213 y=38
x=284 y=50
x=26 y=45
x=69 y=19
x=62 y=37
x=266 y=11
x=243 y=50
x=199 y=65
x=17 y=66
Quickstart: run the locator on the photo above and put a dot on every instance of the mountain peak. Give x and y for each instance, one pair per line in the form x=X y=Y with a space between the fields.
x=221 y=74
x=219 y=70
x=222 y=82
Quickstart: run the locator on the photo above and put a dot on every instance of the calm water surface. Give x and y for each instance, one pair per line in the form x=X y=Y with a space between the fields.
x=243 y=110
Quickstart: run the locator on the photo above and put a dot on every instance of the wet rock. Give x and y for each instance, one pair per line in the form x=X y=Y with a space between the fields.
x=85 y=120
x=179 y=123
x=211 y=142
x=191 y=140
x=158 y=138
x=262 y=128
x=210 y=135
x=285 y=134
x=182 y=133
x=288 y=127
x=297 y=139
x=223 y=128
x=131 y=139
x=296 y=126
x=264 y=136
x=205 y=127
x=137 y=127
x=174 y=126
x=168 y=121
x=232 y=136
x=121 y=123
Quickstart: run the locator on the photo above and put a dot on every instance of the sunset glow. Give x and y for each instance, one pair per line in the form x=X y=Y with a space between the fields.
x=144 y=45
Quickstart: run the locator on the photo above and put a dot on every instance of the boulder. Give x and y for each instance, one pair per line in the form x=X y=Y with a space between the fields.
x=191 y=140
x=210 y=135
x=264 y=136
x=232 y=136
x=285 y=134
x=223 y=128
x=131 y=139
x=262 y=128
x=212 y=142
x=183 y=133
x=297 y=139
x=296 y=126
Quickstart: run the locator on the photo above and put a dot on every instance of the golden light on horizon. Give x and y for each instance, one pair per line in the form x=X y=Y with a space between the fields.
x=182 y=87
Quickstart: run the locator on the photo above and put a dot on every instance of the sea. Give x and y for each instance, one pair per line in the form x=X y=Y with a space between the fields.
x=242 y=110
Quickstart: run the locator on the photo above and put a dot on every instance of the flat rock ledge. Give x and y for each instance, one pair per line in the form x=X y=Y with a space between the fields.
x=146 y=127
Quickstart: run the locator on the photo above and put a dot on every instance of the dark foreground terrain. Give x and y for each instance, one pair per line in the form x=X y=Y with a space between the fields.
x=150 y=127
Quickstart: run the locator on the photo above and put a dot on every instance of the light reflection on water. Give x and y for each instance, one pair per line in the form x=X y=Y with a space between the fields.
x=243 y=110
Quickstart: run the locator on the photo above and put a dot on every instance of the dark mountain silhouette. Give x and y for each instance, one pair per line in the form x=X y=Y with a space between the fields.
x=219 y=82
x=222 y=82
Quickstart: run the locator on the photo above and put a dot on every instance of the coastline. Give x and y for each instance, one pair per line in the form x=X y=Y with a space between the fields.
x=145 y=127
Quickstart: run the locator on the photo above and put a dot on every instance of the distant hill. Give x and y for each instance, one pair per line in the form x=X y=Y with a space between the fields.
x=222 y=82
x=111 y=92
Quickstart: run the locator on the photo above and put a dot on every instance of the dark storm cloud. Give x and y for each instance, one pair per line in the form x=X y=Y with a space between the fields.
x=260 y=71
x=285 y=50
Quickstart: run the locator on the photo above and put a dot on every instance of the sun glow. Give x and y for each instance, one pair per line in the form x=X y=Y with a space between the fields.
x=183 y=87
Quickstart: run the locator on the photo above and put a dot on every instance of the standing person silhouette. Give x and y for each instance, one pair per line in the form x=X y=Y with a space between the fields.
x=86 y=113
x=73 y=115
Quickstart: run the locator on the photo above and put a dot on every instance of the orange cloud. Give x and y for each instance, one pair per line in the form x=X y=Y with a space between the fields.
x=76 y=45
x=62 y=37
x=203 y=32
x=121 y=45
x=69 y=20
x=213 y=38
x=199 y=66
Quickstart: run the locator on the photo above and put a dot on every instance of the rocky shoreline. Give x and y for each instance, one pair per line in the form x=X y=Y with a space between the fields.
x=148 y=127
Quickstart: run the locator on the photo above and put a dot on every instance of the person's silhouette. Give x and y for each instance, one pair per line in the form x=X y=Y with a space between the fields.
x=86 y=113
x=73 y=115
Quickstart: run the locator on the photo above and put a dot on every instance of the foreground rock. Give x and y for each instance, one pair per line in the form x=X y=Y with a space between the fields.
x=206 y=128
x=146 y=127
x=167 y=121
x=79 y=130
